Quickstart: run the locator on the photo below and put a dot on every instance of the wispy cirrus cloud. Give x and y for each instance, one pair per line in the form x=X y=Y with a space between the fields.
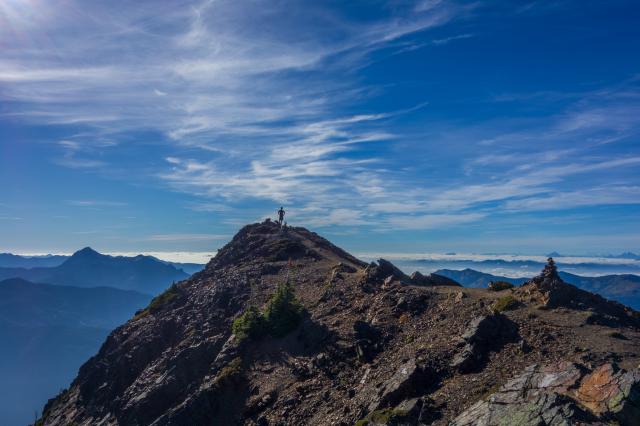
x=264 y=102
x=525 y=189
x=558 y=200
x=241 y=87
x=211 y=75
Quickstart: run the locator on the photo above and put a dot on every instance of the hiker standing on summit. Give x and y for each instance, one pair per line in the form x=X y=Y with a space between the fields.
x=281 y=216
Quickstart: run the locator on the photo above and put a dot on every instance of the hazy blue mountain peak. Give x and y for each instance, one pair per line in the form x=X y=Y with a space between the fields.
x=86 y=252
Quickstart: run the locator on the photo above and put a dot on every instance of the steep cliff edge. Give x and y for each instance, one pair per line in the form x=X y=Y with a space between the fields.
x=374 y=346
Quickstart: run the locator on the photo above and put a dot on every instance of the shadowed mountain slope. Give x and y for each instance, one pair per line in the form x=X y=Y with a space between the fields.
x=47 y=332
x=29 y=304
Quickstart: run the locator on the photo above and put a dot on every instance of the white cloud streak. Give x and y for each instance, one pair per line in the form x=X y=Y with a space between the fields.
x=247 y=99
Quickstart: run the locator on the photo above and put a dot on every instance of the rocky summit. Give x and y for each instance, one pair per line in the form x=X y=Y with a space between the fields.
x=322 y=338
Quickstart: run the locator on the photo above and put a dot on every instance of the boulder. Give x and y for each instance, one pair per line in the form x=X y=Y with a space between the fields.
x=230 y=350
x=611 y=392
x=406 y=382
x=563 y=393
x=483 y=334
x=364 y=330
x=410 y=408
x=387 y=268
x=383 y=272
x=418 y=279
x=411 y=302
x=368 y=339
x=344 y=268
x=542 y=409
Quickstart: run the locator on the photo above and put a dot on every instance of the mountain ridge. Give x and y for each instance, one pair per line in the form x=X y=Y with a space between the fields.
x=373 y=347
x=10 y=260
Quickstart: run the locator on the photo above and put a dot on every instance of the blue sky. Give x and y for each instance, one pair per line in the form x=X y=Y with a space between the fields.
x=434 y=125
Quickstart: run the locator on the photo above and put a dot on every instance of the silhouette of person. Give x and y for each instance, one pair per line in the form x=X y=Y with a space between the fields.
x=281 y=215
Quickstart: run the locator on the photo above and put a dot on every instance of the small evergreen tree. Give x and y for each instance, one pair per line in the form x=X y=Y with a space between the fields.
x=281 y=315
x=250 y=324
x=283 y=312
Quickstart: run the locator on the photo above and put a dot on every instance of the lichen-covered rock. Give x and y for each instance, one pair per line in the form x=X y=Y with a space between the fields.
x=609 y=391
x=542 y=409
x=560 y=394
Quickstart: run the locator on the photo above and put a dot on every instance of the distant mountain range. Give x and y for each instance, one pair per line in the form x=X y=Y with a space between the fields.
x=625 y=255
x=88 y=268
x=47 y=331
x=624 y=288
x=8 y=260
x=525 y=267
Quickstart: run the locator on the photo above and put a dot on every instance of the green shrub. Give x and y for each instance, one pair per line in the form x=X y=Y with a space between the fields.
x=251 y=323
x=164 y=298
x=505 y=303
x=283 y=312
x=229 y=372
x=159 y=301
x=499 y=285
x=281 y=315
